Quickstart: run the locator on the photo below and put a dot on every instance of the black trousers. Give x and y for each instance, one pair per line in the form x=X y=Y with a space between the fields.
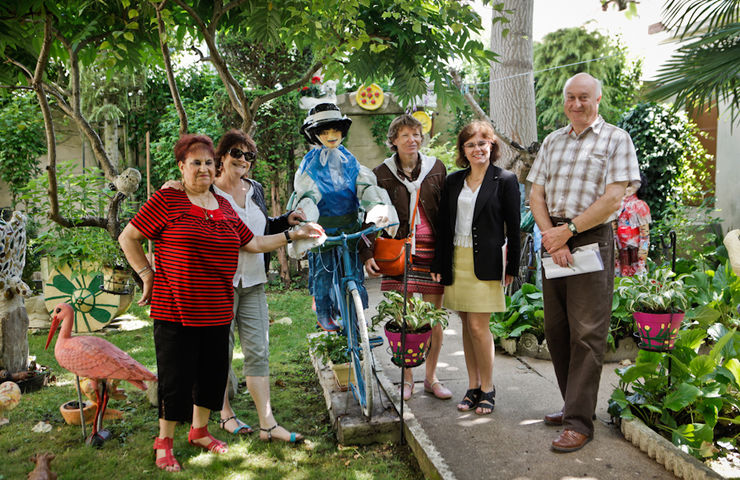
x=577 y=314
x=192 y=366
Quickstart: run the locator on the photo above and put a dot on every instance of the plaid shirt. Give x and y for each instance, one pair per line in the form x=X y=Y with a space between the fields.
x=575 y=169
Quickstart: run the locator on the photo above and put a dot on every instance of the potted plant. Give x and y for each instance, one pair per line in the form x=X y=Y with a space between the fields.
x=420 y=317
x=332 y=349
x=657 y=300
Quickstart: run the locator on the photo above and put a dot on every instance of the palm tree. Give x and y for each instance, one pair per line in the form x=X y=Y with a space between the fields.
x=706 y=69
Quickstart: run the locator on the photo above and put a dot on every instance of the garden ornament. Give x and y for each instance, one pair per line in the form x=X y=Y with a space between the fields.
x=43 y=468
x=13 y=256
x=94 y=358
x=128 y=181
x=336 y=191
x=10 y=396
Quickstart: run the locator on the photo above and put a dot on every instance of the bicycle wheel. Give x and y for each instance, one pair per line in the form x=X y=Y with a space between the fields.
x=527 y=267
x=363 y=369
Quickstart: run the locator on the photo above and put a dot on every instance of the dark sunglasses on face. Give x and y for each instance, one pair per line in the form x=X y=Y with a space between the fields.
x=248 y=156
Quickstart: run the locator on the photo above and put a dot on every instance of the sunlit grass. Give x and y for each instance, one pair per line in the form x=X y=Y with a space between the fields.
x=297 y=402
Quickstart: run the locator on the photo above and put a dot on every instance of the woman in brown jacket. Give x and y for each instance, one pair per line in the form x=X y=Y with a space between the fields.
x=405 y=175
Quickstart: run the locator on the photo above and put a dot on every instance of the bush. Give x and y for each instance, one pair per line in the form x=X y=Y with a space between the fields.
x=670 y=155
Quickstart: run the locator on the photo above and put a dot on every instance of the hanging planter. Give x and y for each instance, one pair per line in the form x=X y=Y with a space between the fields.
x=420 y=317
x=417 y=345
x=657 y=331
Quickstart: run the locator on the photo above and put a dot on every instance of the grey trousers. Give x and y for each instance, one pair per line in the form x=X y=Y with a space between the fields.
x=577 y=314
x=252 y=322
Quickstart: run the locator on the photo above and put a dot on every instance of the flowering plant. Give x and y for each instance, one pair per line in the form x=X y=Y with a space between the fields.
x=658 y=291
x=315 y=89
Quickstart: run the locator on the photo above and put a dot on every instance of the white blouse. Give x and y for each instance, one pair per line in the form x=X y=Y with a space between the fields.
x=464 y=221
x=251 y=268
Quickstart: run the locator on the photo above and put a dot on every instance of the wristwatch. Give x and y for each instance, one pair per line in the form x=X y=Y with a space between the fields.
x=572 y=228
x=287 y=236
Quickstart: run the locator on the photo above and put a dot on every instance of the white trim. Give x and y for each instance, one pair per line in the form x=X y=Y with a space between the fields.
x=325 y=115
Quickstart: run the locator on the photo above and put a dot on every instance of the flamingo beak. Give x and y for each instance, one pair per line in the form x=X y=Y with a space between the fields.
x=52 y=330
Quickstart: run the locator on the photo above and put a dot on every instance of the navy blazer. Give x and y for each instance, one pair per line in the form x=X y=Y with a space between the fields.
x=495 y=217
x=274 y=224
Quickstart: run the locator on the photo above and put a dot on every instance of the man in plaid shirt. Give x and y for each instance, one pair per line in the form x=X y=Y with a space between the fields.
x=578 y=181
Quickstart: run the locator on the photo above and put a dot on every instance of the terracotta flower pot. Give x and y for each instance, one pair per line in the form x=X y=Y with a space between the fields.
x=657 y=331
x=417 y=344
x=71 y=412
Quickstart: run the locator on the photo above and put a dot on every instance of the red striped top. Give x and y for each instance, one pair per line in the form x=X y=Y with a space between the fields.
x=194 y=257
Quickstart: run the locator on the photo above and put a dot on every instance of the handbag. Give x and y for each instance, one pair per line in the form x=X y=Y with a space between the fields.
x=389 y=252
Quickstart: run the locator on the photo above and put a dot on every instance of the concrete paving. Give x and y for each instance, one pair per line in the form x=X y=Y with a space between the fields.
x=513 y=442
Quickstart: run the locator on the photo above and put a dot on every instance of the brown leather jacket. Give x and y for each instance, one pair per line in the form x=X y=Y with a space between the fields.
x=431 y=193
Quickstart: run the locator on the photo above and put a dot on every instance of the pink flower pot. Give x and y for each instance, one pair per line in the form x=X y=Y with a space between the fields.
x=417 y=345
x=657 y=331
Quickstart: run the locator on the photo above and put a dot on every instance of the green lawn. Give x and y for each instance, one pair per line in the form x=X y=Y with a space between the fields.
x=297 y=402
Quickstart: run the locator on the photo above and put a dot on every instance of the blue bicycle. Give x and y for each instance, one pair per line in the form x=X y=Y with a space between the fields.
x=354 y=326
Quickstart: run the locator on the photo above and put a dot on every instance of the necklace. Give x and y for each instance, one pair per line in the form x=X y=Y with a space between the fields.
x=199 y=202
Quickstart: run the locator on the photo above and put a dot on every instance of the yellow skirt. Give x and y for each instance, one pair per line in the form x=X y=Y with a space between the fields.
x=467 y=293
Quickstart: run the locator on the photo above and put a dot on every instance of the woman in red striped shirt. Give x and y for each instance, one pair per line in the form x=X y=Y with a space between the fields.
x=197 y=237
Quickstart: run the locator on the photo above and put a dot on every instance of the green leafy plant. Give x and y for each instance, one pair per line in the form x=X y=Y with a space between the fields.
x=420 y=315
x=658 y=291
x=81 y=195
x=694 y=402
x=715 y=295
x=330 y=346
x=524 y=312
x=621 y=324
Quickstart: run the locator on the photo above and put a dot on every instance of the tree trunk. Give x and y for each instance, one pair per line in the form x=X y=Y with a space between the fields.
x=512 y=82
x=275 y=209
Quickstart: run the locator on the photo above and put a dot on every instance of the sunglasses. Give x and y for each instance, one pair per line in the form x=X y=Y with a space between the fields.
x=248 y=156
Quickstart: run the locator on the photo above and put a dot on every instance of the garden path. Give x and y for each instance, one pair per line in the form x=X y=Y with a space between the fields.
x=513 y=442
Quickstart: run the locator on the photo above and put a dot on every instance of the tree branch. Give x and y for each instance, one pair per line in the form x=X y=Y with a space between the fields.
x=233 y=88
x=203 y=58
x=170 y=74
x=525 y=155
x=293 y=86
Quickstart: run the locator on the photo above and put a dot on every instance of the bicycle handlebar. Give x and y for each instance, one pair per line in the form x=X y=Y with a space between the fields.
x=339 y=239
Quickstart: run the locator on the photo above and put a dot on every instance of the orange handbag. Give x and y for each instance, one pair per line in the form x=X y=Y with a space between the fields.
x=389 y=252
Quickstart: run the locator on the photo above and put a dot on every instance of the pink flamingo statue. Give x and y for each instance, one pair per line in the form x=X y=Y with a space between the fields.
x=94 y=358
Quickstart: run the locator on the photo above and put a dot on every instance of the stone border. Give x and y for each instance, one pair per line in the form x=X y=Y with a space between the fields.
x=679 y=463
x=528 y=346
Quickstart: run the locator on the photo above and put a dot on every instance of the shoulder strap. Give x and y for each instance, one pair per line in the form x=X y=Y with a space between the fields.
x=412 y=228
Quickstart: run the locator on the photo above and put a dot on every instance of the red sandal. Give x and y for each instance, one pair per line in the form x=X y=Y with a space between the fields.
x=168 y=460
x=215 y=446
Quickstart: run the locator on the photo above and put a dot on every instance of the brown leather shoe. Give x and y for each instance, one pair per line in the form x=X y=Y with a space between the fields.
x=554 y=419
x=570 y=441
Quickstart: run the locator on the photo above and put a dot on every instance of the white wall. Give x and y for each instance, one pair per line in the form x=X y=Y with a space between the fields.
x=727 y=178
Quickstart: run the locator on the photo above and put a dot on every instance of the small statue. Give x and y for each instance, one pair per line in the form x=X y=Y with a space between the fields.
x=43 y=469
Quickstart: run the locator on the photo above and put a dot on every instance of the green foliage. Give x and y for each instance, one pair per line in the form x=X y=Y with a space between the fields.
x=695 y=402
x=696 y=241
x=330 y=346
x=80 y=195
x=419 y=313
x=670 y=155
x=21 y=141
x=658 y=291
x=705 y=69
x=715 y=296
x=476 y=79
x=565 y=47
x=445 y=152
x=621 y=324
x=379 y=128
x=524 y=312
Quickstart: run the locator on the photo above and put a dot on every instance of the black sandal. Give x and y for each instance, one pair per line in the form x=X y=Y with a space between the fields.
x=470 y=400
x=294 y=437
x=487 y=401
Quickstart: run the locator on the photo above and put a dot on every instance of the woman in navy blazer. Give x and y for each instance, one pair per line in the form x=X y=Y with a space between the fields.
x=478 y=214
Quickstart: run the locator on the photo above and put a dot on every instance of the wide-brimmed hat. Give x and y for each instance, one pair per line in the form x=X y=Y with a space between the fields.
x=322 y=117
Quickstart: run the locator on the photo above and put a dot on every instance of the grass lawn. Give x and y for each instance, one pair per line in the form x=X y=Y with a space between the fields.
x=297 y=402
